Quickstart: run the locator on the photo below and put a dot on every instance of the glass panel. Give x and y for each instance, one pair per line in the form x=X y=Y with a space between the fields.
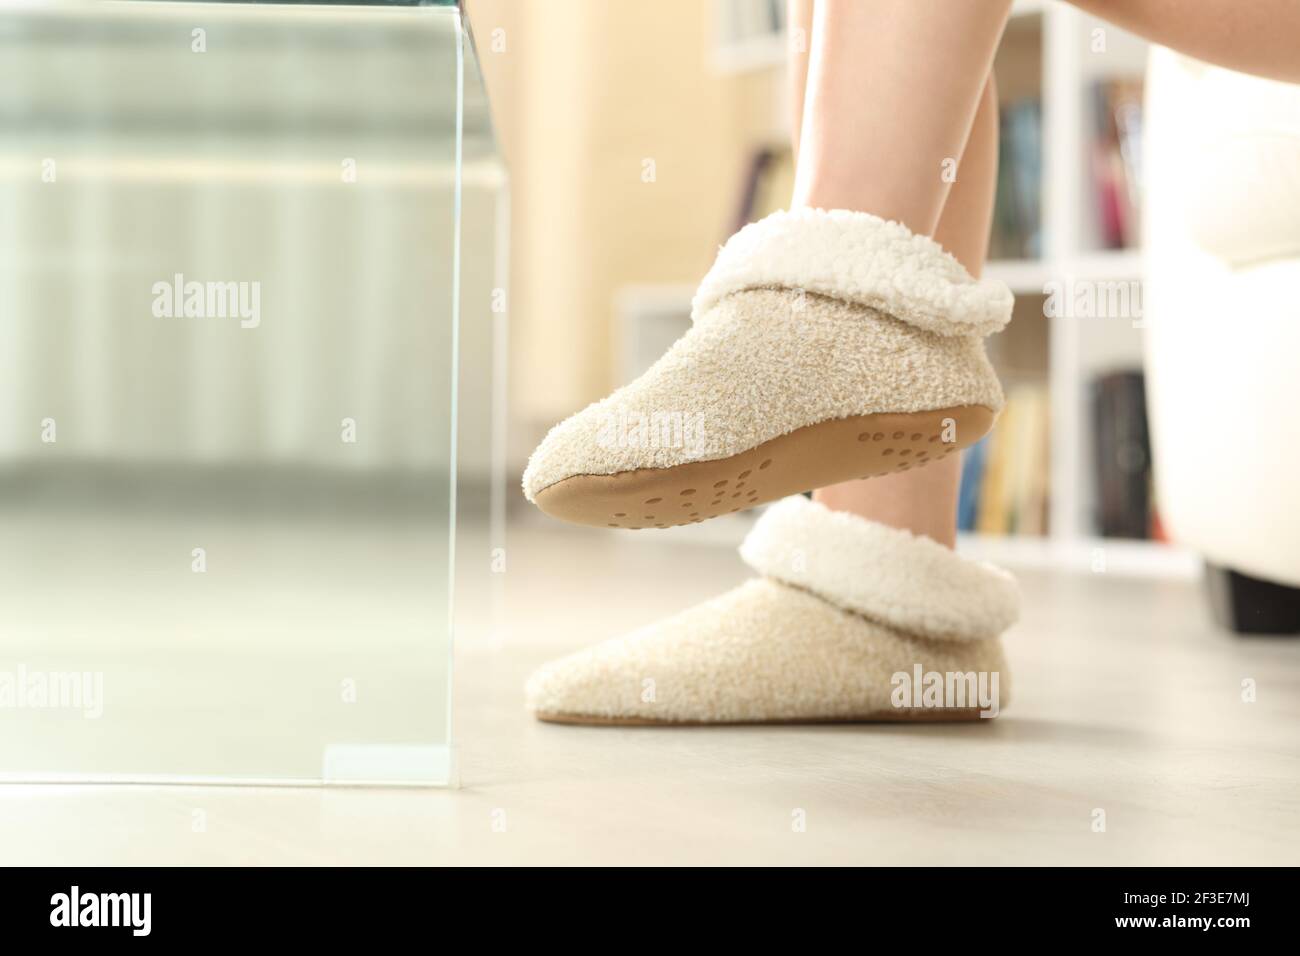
x=227 y=323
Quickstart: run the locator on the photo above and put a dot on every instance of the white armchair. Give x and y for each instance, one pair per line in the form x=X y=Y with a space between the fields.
x=1222 y=306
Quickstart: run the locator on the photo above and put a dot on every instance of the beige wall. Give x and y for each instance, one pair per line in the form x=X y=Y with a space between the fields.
x=584 y=91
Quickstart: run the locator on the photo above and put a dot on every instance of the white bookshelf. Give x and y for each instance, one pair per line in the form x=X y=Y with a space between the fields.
x=1071 y=56
x=1060 y=61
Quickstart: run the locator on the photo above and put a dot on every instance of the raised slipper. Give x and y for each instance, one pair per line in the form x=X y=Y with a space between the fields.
x=825 y=346
x=849 y=620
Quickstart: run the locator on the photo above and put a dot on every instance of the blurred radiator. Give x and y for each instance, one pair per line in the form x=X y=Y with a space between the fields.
x=301 y=155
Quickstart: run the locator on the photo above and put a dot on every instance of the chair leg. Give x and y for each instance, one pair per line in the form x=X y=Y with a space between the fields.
x=1246 y=605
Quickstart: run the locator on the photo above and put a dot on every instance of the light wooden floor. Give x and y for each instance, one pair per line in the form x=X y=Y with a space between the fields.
x=1126 y=700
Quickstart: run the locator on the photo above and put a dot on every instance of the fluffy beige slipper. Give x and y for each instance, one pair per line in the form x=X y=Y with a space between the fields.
x=825 y=346
x=849 y=621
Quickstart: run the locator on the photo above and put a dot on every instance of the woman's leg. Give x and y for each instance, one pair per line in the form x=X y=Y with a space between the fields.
x=1260 y=37
x=892 y=90
x=924 y=500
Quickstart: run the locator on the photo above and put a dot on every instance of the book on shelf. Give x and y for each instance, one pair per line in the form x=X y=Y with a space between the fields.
x=1017 y=207
x=1004 y=481
x=765 y=187
x=972 y=467
x=1116 y=155
x=1122 y=457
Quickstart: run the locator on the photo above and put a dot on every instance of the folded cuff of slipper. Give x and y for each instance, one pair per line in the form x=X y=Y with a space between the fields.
x=859 y=258
x=887 y=575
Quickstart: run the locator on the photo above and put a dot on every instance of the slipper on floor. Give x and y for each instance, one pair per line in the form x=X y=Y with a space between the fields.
x=849 y=621
x=825 y=346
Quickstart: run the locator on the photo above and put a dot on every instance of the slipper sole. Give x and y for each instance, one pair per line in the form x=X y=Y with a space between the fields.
x=842 y=449
x=901 y=715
